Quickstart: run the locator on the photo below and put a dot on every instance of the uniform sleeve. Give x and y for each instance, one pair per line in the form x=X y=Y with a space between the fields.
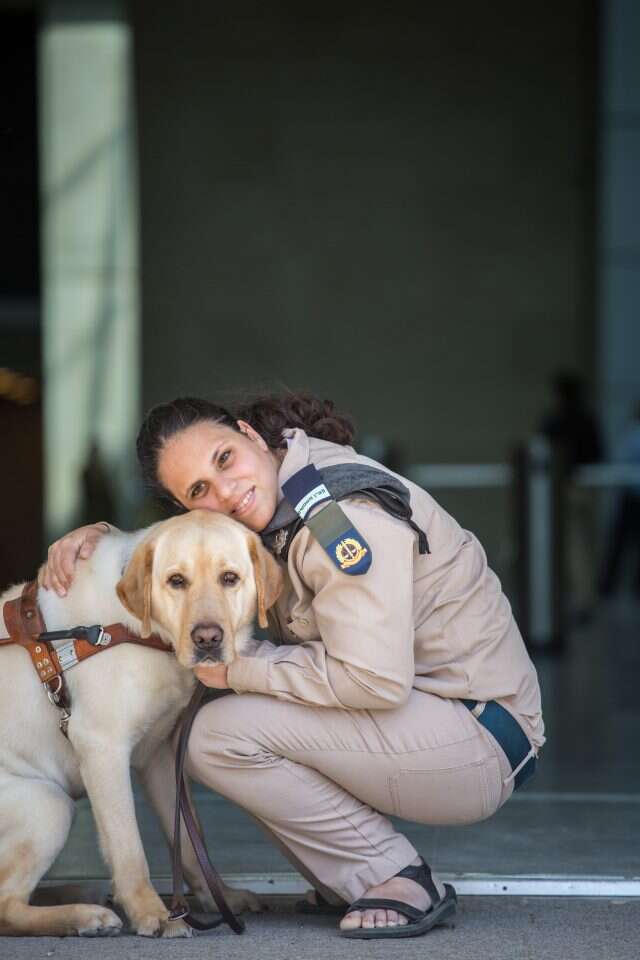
x=365 y=658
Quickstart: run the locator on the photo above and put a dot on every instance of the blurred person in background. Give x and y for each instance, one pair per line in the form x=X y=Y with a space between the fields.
x=570 y=426
x=574 y=435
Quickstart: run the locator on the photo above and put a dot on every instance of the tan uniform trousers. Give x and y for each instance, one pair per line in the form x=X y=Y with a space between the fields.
x=321 y=780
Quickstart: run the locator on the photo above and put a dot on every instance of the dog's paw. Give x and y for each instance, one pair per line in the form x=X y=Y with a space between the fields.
x=176 y=928
x=147 y=913
x=242 y=900
x=157 y=924
x=151 y=924
x=95 y=921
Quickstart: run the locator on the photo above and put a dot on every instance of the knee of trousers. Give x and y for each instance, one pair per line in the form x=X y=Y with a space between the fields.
x=223 y=740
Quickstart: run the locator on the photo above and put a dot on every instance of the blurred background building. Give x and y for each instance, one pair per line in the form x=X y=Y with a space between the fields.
x=429 y=212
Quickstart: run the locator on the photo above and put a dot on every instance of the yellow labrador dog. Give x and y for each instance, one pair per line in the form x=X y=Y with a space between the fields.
x=196 y=580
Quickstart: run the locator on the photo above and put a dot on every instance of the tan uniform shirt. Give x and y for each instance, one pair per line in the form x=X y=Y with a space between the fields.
x=437 y=622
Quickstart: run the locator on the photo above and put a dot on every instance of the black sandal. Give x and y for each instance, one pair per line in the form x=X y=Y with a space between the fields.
x=421 y=921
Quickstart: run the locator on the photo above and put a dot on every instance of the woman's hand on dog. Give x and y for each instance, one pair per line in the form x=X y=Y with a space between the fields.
x=57 y=573
x=212 y=675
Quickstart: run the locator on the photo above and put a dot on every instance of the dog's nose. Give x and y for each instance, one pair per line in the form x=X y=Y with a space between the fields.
x=207 y=636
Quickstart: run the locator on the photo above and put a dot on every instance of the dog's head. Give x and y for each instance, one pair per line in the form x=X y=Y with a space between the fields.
x=201 y=577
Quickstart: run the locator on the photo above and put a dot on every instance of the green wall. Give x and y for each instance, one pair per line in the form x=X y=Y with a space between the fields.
x=387 y=204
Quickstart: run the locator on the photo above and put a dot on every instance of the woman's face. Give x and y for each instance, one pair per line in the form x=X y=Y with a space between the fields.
x=213 y=467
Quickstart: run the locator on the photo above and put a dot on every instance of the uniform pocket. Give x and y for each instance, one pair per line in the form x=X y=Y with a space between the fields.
x=448 y=797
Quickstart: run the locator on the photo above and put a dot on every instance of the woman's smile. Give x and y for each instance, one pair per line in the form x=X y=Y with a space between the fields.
x=245 y=504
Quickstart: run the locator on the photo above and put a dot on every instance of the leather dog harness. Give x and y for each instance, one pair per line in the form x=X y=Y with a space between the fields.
x=50 y=657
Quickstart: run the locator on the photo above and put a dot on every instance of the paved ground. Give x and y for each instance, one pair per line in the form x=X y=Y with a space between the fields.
x=496 y=928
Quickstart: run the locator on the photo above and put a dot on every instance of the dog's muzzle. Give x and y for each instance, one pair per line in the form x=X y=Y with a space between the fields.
x=207 y=640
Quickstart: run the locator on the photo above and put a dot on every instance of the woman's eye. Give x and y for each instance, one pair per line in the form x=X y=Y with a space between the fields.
x=197 y=490
x=224 y=456
x=177 y=581
x=228 y=579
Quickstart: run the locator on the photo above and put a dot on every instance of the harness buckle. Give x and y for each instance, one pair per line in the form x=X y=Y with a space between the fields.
x=104 y=638
x=179 y=912
x=63 y=722
x=97 y=636
x=54 y=695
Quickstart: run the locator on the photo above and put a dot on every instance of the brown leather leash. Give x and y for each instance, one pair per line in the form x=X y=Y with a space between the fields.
x=179 y=907
x=27 y=628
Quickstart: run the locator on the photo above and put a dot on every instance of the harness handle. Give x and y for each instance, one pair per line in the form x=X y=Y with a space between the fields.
x=95 y=635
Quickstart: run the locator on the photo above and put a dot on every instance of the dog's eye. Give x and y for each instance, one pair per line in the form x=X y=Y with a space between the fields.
x=177 y=581
x=228 y=579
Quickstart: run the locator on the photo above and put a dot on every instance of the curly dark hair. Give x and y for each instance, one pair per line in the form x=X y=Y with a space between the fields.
x=269 y=415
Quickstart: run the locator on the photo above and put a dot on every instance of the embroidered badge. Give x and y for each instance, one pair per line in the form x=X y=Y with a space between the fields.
x=349 y=552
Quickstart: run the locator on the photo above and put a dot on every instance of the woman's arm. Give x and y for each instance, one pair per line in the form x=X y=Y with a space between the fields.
x=365 y=659
x=57 y=573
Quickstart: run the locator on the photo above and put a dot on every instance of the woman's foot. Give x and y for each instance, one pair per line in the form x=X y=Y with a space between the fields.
x=397 y=888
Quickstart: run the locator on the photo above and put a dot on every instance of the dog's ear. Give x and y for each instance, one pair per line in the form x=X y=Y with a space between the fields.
x=134 y=587
x=268 y=577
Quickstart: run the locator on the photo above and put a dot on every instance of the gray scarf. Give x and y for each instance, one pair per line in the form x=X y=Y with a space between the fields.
x=345 y=480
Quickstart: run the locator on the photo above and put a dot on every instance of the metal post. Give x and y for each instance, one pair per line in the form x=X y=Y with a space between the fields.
x=540 y=546
x=539 y=497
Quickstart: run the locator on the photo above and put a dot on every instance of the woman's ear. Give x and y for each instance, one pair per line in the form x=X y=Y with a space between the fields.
x=268 y=577
x=252 y=434
x=134 y=587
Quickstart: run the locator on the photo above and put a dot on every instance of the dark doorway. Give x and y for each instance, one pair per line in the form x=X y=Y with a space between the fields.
x=21 y=485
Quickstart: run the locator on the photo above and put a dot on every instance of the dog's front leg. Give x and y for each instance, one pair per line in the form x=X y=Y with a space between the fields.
x=159 y=782
x=106 y=775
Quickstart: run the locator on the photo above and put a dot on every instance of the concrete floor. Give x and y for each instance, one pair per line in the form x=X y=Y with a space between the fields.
x=506 y=928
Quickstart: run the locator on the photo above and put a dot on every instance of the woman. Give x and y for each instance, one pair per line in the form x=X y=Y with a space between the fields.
x=397 y=681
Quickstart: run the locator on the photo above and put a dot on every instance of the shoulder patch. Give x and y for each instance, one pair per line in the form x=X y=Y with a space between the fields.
x=330 y=526
x=351 y=553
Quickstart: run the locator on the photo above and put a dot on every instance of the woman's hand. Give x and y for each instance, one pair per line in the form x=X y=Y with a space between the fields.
x=212 y=675
x=58 y=571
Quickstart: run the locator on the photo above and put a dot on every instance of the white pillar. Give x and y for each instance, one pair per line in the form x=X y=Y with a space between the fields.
x=89 y=254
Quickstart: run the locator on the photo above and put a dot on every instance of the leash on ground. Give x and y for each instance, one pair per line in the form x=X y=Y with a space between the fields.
x=179 y=907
